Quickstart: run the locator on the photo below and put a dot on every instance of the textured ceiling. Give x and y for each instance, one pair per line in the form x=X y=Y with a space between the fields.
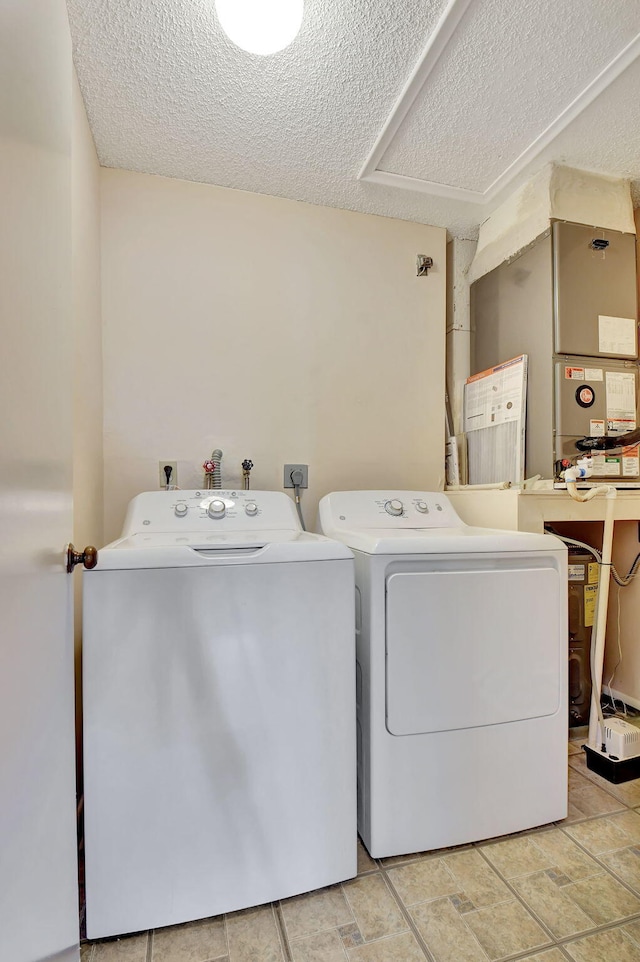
x=167 y=93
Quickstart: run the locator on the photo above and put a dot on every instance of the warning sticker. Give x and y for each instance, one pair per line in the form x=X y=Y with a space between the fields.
x=621 y=395
x=590 y=595
x=603 y=467
x=596 y=428
x=630 y=461
x=574 y=373
x=594 y=574
x=620 y=425
x=576 y=572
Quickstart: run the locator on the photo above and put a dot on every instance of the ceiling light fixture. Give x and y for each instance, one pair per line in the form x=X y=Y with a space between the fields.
x=260 y=26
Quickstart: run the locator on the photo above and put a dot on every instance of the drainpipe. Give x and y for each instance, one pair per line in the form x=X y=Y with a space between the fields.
x=584 y=469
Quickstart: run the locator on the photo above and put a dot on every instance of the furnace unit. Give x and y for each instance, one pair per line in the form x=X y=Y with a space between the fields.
x=568 y=301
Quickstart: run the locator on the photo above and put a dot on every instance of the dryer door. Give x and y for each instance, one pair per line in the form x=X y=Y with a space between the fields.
x=468 y=648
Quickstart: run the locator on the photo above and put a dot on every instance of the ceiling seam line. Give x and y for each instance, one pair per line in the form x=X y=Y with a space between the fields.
x=434 y=48
x=403 y=181
x=598 y=85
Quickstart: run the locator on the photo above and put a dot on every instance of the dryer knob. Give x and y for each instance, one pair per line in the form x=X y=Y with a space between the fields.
x=422 y=507
x=251 y=508
x=216 y=509
x=394 y=507
x=181 y=509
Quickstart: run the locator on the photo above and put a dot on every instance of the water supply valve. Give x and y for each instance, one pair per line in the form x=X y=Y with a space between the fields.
x=582 y=469
x=560 y=467
x=246 y=471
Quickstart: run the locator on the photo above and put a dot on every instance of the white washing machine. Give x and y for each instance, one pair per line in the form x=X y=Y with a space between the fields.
x=219 y=711
x=461 y=638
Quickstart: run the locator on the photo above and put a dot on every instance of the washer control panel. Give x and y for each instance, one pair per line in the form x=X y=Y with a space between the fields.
x=207 y=510
x=388 y=509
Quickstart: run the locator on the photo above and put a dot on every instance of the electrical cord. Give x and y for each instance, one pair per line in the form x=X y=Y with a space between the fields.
x=299 y=509
x=621 y=580
x=628 y=578
x=297 y=479
x=623 y=713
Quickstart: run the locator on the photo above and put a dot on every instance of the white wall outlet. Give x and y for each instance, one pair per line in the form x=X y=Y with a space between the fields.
x=167 y=474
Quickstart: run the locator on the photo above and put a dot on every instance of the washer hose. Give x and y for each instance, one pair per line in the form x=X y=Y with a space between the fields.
x=216 y=457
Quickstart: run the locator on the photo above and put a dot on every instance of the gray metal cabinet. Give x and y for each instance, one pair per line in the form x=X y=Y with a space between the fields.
x=568 y=301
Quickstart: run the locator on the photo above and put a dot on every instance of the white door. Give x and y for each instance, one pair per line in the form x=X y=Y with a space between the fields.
x=38 y=887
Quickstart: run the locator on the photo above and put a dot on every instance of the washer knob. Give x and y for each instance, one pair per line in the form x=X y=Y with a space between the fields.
x=394 y=507
x=422 y=507
x=216 y=509
x=251 y=508
x=181 y=509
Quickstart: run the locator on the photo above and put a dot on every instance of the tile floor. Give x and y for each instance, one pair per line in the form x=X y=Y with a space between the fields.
x=568 y=892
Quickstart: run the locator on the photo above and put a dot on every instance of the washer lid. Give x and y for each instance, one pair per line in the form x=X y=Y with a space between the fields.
x=447 y=541
x=195 y=549
x=415 y=522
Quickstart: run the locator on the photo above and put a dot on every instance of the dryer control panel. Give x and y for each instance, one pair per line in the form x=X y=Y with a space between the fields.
x=210 y=510
x=387 y=509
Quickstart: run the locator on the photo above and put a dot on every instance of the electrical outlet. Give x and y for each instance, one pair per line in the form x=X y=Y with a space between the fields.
x=162 y=474
x=288 y=471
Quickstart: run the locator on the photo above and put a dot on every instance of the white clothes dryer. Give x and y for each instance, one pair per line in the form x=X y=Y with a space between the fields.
x=219 y=711
x=461 y=639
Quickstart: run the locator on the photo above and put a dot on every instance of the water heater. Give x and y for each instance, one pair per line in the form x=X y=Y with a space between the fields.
x=583 y=589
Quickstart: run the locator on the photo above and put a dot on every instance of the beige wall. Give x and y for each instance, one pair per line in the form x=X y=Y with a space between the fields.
x=622 y=656
x=636 y=219
x=274 y=330
x=87 y=352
